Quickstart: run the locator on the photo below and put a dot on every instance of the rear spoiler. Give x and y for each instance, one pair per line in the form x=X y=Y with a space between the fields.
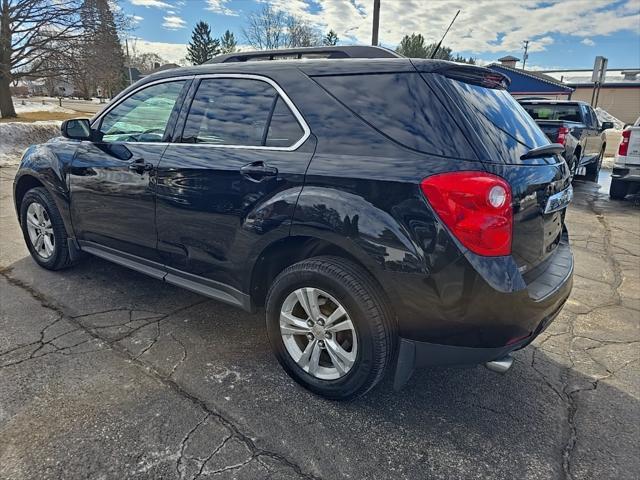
x=481 y=76
x=544 y=151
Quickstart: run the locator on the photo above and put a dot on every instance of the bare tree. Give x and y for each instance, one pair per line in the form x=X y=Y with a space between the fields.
x=31 y=35
x=271 y=28
x=266 y=29
x=301 y=33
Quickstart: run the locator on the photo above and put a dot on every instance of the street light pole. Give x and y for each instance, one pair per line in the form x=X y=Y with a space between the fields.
x=376 y=22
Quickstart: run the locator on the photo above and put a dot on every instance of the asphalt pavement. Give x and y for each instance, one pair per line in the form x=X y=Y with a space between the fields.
x=108 y=374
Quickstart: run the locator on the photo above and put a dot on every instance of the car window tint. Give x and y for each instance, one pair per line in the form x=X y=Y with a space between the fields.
x=142 y=117
x=229 y=111
x=566 y=113
x=401 y=106
x=503 y=111
x=284 y=129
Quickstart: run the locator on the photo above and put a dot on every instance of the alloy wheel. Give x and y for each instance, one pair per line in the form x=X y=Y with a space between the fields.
x=40 y=230
x=318 y=333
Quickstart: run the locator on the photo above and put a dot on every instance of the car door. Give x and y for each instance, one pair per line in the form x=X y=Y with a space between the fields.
x=589 y=133
x=112 y=179
x=230 y=182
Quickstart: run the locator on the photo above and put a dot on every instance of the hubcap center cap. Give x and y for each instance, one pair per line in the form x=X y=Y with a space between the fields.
x=318 y=331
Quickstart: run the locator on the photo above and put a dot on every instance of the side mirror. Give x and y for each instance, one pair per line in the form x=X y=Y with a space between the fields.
x=76 y=129
x=606 y=125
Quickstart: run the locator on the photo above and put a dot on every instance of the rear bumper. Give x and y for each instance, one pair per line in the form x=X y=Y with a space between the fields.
x=488 y=323
x=628 y=173
x=413 y=354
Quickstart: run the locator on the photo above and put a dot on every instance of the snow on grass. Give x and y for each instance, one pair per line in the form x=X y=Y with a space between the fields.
x=26 y=105
x=15 y=137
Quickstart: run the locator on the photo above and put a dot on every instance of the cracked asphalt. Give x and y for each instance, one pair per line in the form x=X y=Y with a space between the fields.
x=108 y=374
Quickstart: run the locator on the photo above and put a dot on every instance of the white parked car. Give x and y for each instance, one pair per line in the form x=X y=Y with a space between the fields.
x=626 y=167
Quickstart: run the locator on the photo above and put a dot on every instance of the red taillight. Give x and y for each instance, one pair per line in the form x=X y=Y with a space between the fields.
x=476 y=206
x=562 y=135
x=624 y=144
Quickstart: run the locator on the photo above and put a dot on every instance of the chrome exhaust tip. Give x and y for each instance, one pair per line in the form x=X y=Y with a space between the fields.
x=501 y=365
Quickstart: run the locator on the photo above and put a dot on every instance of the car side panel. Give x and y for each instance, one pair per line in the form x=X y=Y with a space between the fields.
x=50 y=164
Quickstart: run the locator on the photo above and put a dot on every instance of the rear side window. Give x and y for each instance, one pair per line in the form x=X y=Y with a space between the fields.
x=284 y=129
x=502 y=110
x=564 y=112
x=229 y=111
x=402 y=107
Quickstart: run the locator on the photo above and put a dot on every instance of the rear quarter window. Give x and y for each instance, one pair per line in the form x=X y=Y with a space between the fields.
x=503 y=111
x=402 y=107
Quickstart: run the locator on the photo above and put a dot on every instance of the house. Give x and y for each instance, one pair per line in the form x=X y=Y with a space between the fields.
x=527 y=83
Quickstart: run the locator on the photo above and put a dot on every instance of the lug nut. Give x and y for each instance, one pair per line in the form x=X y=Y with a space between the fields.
x=310 y=336
x=321 y=322
x=310 y=323
x=327 y=335
x=321 y=343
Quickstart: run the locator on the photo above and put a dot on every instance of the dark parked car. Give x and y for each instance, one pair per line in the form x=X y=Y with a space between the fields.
x=576 y=126
x=388 y=213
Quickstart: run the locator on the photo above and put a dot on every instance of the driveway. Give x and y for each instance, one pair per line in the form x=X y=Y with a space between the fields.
x=106 y=373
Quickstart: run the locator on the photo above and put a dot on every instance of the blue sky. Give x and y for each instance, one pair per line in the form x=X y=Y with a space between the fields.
x=562 y=33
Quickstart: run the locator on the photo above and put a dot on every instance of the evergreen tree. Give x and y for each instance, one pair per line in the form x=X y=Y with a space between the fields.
x=330 y=39
x=100 y=63
x=228 y=42
x=202 y=46
x=413 y=46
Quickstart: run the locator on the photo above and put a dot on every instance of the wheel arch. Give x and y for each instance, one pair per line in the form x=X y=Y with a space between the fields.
x=282 y=253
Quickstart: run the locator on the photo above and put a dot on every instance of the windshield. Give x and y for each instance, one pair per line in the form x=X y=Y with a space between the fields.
x=566 y=113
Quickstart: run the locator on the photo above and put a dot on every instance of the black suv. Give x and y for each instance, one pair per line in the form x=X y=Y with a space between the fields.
x=386 y=212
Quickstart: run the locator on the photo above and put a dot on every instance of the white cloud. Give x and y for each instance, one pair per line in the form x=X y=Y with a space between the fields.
x=220 y=6
x=171 y=52
x=588 y=42
x=136 y=19
x=173 y=22
x=151 y=3
x=483 y=26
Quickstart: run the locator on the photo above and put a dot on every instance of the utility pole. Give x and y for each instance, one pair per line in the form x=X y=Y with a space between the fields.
x=126 y=43
x=376 y=22
x=526 y=55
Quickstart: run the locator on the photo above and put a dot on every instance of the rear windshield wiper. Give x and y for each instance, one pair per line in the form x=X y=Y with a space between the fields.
x=544 y=151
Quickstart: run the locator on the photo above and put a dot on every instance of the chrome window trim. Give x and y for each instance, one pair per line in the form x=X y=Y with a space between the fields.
x=296 y=113
x=99 y=118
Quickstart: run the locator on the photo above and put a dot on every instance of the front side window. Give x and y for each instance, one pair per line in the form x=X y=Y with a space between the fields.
x=239 y=112
x=143 y=116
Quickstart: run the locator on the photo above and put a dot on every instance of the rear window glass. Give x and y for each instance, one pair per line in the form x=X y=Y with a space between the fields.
x=402 y=107
x=502 y=110
x=567 y=113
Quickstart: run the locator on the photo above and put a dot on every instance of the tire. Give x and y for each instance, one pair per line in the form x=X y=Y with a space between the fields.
x=58 y=258
x=593 y=169
x=573 y=166
x=372 y=338
x=618 y=189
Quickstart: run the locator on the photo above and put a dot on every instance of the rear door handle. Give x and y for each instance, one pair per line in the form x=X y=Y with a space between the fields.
x=258 y=171
x=140 y=166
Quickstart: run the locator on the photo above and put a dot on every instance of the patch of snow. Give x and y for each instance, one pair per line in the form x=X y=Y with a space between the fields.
x=15 y=137
x=24 y=105
x=605 y=116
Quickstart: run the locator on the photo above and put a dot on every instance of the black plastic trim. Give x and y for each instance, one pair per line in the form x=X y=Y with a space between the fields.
x=195 y=283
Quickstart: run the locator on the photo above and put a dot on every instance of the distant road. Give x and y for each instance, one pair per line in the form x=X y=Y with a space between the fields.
x=83 y=106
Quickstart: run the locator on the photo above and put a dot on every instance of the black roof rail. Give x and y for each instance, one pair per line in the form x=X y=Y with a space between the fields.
x=348 y=51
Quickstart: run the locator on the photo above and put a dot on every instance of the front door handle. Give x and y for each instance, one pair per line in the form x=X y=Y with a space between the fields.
x=140 y=166
x=258 y=171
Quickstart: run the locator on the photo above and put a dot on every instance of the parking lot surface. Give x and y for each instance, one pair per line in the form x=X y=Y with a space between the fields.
x=105 y=373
